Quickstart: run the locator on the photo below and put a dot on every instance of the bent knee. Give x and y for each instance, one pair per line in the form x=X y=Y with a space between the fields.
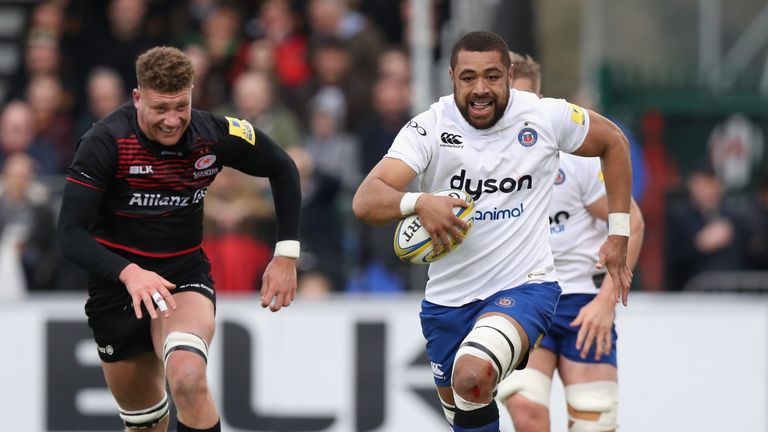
x=592 y=407
x=527 y=415
x=473 y=379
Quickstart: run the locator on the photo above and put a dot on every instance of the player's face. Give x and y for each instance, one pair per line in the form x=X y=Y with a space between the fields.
x=480 y=87
x=163 y=117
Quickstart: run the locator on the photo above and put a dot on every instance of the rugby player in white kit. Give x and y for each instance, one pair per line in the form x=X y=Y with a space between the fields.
x=488 y=302
x=581 y=343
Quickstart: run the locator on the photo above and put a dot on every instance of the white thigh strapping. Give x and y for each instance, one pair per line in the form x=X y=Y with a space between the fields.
x=530 y=383
x=597 y=396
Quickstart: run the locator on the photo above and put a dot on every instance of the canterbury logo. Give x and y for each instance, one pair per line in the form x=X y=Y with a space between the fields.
x=449 y=138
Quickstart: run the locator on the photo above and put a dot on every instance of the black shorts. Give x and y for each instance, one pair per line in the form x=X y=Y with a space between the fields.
x=118 y=334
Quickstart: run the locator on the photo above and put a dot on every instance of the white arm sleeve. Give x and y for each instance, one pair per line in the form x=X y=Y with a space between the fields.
x=570 y=123
x=412 y=144
x=592 y=183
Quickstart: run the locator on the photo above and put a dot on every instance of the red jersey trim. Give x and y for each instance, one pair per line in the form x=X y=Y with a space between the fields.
x=146 y=254
x=84 y=184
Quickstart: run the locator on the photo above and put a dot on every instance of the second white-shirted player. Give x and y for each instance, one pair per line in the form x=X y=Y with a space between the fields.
x=488 y=302
x=581 y=343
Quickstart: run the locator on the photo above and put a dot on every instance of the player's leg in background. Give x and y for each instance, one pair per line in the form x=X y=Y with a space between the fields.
x=138 y=385
x=182 y=341
x=525 y=393
x=591 y=391
x=491 y=350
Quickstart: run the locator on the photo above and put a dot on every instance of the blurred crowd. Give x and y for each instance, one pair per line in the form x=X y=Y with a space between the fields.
x=329 y=80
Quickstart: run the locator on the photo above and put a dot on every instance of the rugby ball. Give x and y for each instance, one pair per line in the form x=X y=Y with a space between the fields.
x=413 y=243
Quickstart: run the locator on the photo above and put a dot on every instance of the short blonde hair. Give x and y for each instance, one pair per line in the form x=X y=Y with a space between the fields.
x=526 y=67
x=164 y=69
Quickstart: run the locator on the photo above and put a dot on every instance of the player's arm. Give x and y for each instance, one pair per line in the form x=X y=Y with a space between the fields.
x=79 y=206
x=605 y=140
x=253 y=152
x=83 y=191
x=264 y=158
x=380 y=200
x=595 y=319
x=377 y=199
x=599 y=209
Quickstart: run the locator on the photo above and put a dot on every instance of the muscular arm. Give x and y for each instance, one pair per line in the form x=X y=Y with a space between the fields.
x=599 y=209
x=607 y=141
x=377 y=200
x=78 y=211
x=267 y=159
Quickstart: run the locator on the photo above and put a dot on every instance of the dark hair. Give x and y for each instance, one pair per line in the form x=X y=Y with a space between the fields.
x=165 y=69
x=481 y=41
x=526 y=67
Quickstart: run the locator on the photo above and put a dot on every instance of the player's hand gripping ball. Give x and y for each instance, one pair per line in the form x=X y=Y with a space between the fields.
x=413 y=243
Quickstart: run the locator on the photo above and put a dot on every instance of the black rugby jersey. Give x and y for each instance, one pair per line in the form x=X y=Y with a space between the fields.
x=148 y=197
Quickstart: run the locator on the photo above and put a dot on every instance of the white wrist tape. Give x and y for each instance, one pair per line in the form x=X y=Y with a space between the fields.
x=288 y=248
x=408 y=203
x=618 y=224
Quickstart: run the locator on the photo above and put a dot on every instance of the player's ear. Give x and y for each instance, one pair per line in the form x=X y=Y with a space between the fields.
x=450 y=72
x=136 y=95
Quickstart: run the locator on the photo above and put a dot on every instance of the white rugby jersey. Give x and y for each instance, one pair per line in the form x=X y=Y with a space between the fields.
x=576 y=236
x=508 y=169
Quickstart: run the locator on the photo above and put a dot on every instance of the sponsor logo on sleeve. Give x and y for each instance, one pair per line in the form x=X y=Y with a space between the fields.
x=577 y=114
x=421 y=131
x=241 y=129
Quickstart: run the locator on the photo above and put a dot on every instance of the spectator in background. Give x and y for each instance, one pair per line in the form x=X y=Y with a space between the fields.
x=254 y=100
x=17 y=135
x=275 y=27
x=703 y=233
x=234 y=210
x=335 y=152
x=27 y=224
x=105 y=94
x=52 y=120
x=333 y=19
x=322 y=255
x=220 y=35
x=42 y=57
x=114 y=40
x=395 y=64
x=205 y=91
x=391 y=112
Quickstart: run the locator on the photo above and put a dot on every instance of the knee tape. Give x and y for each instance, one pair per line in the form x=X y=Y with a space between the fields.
x=530 y=383
x=146 y=418
x=448 y=409
x=181 y=341
x=600 y=397
x=495 y=339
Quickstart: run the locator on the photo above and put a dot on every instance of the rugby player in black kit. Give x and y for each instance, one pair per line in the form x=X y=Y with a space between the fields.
x=132 y=216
